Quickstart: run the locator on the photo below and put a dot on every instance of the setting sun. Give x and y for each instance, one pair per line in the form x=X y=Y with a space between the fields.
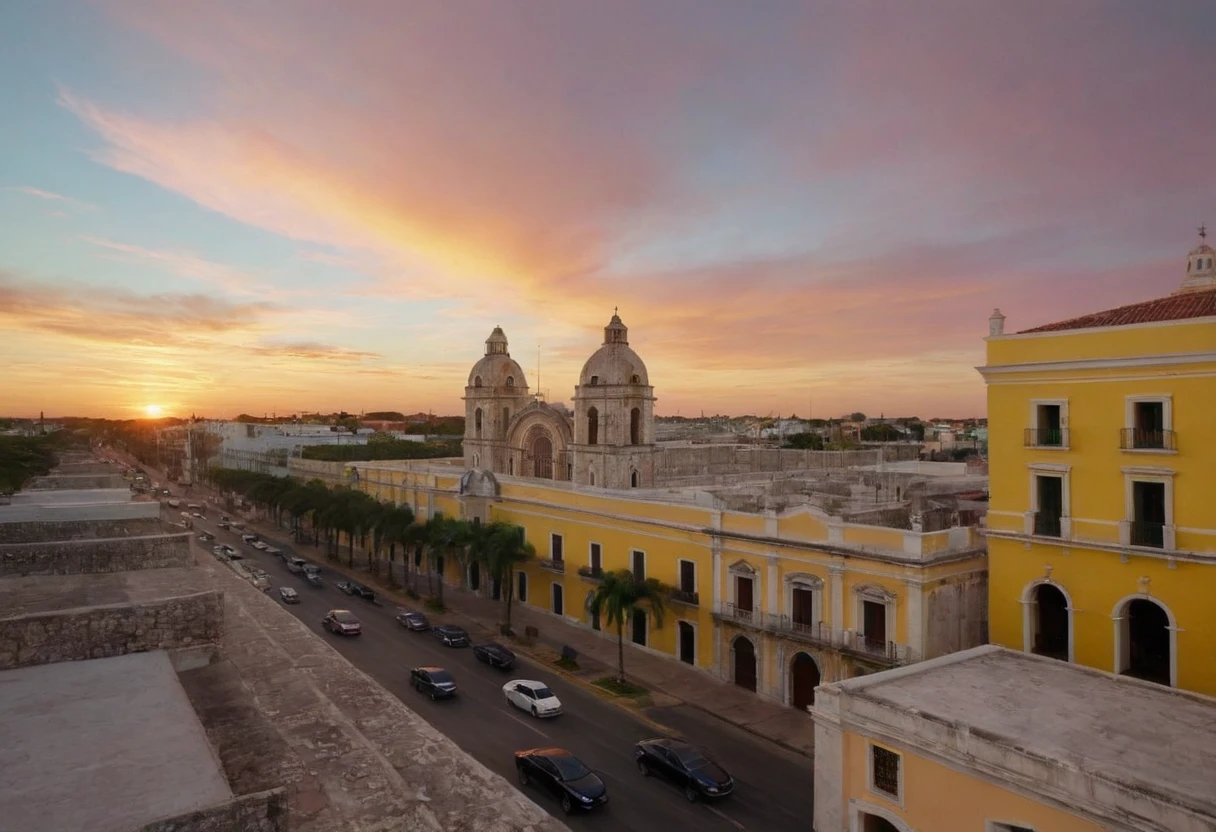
x=154 y=410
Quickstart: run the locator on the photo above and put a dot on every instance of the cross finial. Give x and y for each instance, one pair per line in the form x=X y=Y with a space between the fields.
x=614 y=310
x=1203 y=232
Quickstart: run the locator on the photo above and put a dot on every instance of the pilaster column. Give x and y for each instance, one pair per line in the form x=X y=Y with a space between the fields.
x=915 y=612
x=836 y=591
x=829 y=761
x=771 y=569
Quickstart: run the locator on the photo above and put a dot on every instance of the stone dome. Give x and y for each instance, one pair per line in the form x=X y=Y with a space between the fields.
x=496 y=367
x=614 y=363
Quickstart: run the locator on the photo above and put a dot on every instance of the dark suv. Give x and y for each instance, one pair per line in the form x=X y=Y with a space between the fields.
x=433 y=681
x=356 y=588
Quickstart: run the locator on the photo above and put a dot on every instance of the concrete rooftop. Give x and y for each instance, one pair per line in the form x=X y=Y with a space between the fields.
x=106 y=745
x=1122 y=730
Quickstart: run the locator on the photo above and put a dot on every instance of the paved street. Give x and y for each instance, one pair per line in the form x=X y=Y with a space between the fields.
x=773 y=791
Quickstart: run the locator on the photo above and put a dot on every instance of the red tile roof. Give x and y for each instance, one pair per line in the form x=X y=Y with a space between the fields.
x=1177 y=307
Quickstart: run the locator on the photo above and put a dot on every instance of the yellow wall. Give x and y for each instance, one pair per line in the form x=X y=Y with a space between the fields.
x=1092 y=567
x=937 y=798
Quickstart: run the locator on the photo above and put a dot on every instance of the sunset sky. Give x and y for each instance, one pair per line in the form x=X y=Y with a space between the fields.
x=246 y=205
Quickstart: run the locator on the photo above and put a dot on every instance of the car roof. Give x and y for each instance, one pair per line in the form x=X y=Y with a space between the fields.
x=493 y=645
x=449 y=627
x=551 y=752
x=339 y=612
x=430 y=668
x=531 y=683
x=412 y=612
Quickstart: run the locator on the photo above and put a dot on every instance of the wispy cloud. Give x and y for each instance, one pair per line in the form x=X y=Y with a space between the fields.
x=183 y=264
x=51 y=196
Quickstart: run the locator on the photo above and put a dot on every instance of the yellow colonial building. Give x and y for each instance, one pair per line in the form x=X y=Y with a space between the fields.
x=777 y=587
x=1102 y=525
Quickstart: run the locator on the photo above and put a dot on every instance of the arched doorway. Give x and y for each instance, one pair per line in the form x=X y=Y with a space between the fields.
x=475 y=576
x=542 y=457
x=874 y=823
x=1050 y=622
x=1147 y=636
x=804 y=678
x=745 y=662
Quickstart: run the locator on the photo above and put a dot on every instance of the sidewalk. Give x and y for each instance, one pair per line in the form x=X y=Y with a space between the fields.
x=675 y=682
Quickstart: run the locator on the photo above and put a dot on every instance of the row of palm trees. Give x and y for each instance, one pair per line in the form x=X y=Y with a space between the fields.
x=380 y=528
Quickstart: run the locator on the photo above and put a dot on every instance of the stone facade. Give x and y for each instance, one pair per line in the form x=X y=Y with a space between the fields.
x=187 y=621
x=36 y=532
x=76 y=482
x=76 y=557
x=261 y=812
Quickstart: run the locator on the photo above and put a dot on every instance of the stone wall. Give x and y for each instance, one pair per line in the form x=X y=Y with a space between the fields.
x=77 y=557
x=693 y=464
x=32 y=512
x=957 y=615
x=86 y=468
x=112 y=630
x=76 y=482
x=261 y=812
x=36 y=532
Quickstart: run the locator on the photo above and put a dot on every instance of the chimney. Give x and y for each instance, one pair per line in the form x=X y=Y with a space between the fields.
x=996 y=323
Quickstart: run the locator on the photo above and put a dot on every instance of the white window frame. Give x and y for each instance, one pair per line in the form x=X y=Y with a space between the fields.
x=561 y=541
x=1045 y=469
x=1029 y=602
x=878 y=595
x=1034 y=422
x=1166 y=400
x=897 y=799
x=1133 y=475
x=1122 y=643
x=803 y=580
x=645 y=564
x=695 y=573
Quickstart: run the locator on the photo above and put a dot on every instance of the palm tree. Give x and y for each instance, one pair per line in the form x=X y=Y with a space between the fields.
x=394 y=524
x=501 y=547
x=416 y=535
x=619 y=597
x=447 y=537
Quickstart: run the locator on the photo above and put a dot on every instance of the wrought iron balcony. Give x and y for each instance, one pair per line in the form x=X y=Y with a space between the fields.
x=554 y=565
x=686 y=596
x=1045 y=438
x=591 y=573
x=739 y=614
x=1047 y=524
x=1139 y=439
x=1148 y=534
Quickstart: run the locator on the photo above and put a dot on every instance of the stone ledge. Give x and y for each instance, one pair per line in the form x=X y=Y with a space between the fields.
x=112 y=630
x=35 y=531
x=259 y=812
x=85 y=556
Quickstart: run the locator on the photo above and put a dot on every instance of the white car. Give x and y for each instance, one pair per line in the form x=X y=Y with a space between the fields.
x=533 y=697
x=258 y=544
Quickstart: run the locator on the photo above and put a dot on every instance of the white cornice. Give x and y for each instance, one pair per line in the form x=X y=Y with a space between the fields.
x=1166 y=359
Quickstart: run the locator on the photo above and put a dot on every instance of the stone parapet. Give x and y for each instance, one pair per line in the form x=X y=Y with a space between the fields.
x=261 y=812
x=77 y=557
x=37 y=531
x=97 y=510
x=76 y=481
x=98 y=632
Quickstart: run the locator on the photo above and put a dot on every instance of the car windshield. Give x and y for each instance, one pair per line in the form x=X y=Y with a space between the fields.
x=345 y=618
x=440 y=676
x=689 y=756
x=453 y=631
x=569 y=768
x=543 y=693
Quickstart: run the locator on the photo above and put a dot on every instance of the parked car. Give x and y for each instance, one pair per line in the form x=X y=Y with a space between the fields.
x=223 y=524
x=533 y=697
x=342 y=622
x=249 y=538
x=450 y=635
x=413 y=620
x=495 y=655
x=278 y=553
x=198 y=515
x=288 y=595
x=313 y=578
x=224 y=518
x=433 y=681
x=356 y=588
x=296 y=564
x=219 y=552
x=684 y=764
x=260 y=545
x=562 y=775
x=206 y=538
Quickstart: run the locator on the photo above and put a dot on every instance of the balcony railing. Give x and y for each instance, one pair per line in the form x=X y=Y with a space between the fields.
x=1139 y=439
x=553 y=565
x=740 y=614
x=1148 y=534
x=1046 y=524
x=686 y=596
x=591 y=573
x=885 y=652
x=1045 y=438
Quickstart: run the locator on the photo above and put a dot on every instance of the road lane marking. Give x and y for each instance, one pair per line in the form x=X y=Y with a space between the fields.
x=528 y=725
x=726 y=817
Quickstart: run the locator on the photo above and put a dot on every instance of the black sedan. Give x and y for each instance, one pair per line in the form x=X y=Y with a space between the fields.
x=450 y=635
x=411 y=620
x=562 y=775
x=685 y=765
x=433 y=681
x=495 y=655
x=356 y=588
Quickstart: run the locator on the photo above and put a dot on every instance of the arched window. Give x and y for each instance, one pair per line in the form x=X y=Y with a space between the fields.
x=633 y=479
x=510 y=381
x=635 y=426
x=477 y=423
x=591 y=477
x=594 y=381
x=635 y=379
x=477 y=381
x=593 y=426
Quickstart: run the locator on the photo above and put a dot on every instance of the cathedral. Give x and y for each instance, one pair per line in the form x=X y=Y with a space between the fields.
x=608 y=442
